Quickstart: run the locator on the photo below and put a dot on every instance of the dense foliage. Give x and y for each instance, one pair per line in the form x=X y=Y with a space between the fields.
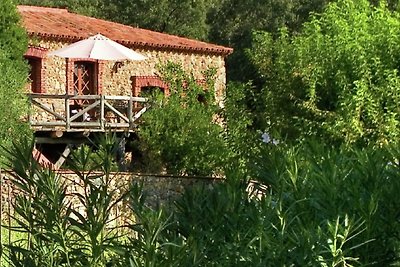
x=332 y=202
x=14 y=73
x=181 y=130
x=337 y=79
x=324 y=207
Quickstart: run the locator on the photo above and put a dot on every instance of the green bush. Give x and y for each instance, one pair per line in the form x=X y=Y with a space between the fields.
x=58 y=233
x=337 y=79
x=320 y=206
x=180 y=130
x=326 y=207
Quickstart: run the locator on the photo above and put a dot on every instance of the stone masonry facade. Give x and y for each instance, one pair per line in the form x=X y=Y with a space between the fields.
x=116 y=78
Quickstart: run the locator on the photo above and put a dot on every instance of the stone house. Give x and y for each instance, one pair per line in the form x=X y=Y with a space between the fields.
x=52 y=28
x=56 y=83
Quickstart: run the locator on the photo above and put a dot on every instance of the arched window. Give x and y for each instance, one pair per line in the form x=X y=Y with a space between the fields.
x=148 y=83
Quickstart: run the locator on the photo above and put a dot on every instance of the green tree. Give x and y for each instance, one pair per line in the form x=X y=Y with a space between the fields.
x=14 y=73
x=94 y=8
x=338 y=79
x=233 y=21
x=185 y=18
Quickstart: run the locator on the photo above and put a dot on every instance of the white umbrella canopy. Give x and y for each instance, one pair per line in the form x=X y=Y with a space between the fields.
x=98 y=47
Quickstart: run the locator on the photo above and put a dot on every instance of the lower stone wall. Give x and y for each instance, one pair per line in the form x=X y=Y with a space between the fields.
x=159 y=190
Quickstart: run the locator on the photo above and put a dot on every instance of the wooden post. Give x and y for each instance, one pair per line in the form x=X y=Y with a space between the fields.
x=29 y=113
x=67 y=113
x=63 y=157
x=102 y=119
x=130 y=108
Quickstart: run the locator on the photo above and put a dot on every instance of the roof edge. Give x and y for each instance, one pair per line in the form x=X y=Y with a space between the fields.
x=24 y=8
x=213 y=49
x=225 y=51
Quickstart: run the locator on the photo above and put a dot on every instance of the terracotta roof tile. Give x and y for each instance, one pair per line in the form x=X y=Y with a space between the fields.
x=55 y=23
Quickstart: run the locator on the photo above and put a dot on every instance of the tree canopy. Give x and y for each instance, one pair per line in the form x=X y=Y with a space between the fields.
x=338 y=79
x=14 y=72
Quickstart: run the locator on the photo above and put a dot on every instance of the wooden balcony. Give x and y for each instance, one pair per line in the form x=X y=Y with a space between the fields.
x=93 y=113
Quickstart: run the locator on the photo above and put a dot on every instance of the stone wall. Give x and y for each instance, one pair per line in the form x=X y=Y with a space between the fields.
x=116 y=79
x=160 y=190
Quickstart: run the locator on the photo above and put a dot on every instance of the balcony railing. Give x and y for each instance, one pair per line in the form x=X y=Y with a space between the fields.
x=86 y=112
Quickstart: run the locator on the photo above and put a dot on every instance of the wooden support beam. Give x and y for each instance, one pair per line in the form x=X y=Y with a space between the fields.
x=48 y=123
x=72 y=141
x=56 y=134
x=58 y=116
x=84 y=111
x=87 y=124
x=63 y=157
x=139 y=114
x=119 y=114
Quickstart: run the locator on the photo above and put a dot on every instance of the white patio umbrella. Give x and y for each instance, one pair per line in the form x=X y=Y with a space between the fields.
x=98 y=47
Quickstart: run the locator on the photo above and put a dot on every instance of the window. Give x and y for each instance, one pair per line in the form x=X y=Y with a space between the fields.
x=148 y=83
x=84 y=78
x=35 y=75
x=147 y=91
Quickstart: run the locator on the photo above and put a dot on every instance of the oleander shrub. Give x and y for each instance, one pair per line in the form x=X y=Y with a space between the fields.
x=319 y=206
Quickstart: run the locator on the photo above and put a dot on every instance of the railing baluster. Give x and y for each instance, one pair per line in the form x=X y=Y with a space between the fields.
x=130 y=108
x=67 y=113
x=125 y=114
x=30 y=110
x=102 y=119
